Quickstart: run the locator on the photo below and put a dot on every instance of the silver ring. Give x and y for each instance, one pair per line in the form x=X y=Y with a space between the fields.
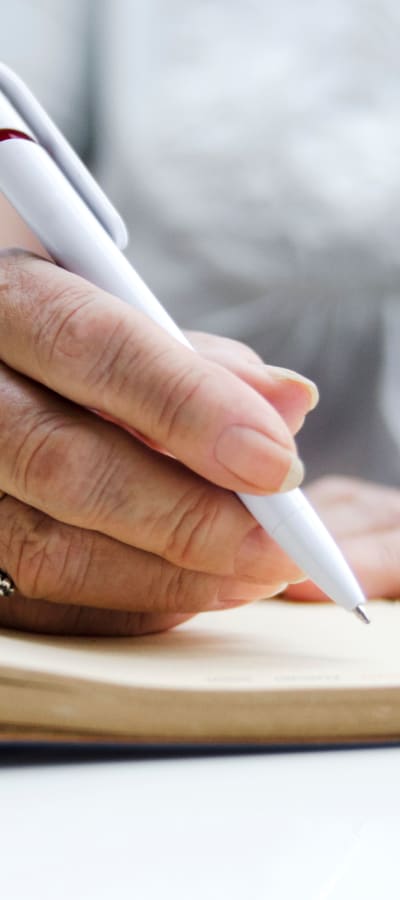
x=7 y=586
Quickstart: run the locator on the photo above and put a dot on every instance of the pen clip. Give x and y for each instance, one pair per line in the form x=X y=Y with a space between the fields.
x=48 y=135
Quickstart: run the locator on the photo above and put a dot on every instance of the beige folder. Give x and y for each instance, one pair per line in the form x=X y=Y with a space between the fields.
x=272 y=672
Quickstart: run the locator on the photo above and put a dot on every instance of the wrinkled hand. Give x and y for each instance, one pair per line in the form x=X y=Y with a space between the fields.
x=100 y=533
x=365 y=520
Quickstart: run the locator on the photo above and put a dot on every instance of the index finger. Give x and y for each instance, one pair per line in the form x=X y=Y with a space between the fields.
x=99 y=352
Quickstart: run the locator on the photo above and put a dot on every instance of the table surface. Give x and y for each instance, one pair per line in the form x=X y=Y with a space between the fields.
x=306 y=825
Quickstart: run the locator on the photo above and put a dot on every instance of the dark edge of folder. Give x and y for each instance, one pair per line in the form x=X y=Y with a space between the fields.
x=39 y=753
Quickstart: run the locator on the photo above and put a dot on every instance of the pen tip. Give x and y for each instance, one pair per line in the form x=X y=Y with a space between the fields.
x=359 y=612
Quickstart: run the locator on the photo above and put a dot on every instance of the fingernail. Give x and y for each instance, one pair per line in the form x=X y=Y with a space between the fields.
x=256 y=459
x=283 y=374
x=294 y=475
x=280 y=589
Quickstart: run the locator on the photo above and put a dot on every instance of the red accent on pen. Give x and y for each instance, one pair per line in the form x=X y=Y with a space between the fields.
x=6 y=134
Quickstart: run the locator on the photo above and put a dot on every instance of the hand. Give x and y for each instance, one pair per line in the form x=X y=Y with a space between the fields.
x=100 y=533
x=365 y=520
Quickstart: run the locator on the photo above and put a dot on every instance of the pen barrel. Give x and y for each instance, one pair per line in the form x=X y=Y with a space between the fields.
x=293 y=523
x=10 y=120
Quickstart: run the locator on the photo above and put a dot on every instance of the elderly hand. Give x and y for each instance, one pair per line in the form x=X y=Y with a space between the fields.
x=365 y=520
x=100 y=533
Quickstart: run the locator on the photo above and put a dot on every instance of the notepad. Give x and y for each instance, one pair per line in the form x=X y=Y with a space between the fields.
x=273 y=673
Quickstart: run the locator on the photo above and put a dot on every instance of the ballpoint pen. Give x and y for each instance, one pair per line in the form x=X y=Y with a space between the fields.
x=60 y=201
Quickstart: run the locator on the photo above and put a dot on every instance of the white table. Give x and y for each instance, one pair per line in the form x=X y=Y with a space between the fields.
x=299 y=826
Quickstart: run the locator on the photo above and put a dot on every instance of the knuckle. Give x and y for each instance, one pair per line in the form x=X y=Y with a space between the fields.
x=39 y=290
x=175 y=594
x=152 y=586
x=63 y=311
x=41 y=459
x=176 y=409
x=52 y=560
x=33 y=541
x=84 y=329
x=184 y=591
x=59 y=458
x=98 y=492
x=112 y=373
x=73 y=323
x=192 y=529
x=66 y=321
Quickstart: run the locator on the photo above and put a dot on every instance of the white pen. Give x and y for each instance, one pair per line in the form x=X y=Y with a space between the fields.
x=59 y=200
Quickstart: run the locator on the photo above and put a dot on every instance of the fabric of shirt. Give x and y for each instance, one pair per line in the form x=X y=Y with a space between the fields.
x=253 y=151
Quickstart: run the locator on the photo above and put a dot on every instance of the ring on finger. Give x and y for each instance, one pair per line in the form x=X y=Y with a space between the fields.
x=7 y=586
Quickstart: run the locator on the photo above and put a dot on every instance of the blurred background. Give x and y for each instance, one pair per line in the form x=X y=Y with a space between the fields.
x=253 y=150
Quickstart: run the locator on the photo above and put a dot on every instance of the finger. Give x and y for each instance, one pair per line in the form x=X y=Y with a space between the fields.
x=291 y=394
x=352 y=506
x=375 y=561
x=41 y=617
x=216 y=346
x=48 y=560
x=305 y=592
x=85 y=472
x=101 y=353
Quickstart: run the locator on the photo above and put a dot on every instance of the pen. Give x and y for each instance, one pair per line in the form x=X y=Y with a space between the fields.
x=59 y=200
